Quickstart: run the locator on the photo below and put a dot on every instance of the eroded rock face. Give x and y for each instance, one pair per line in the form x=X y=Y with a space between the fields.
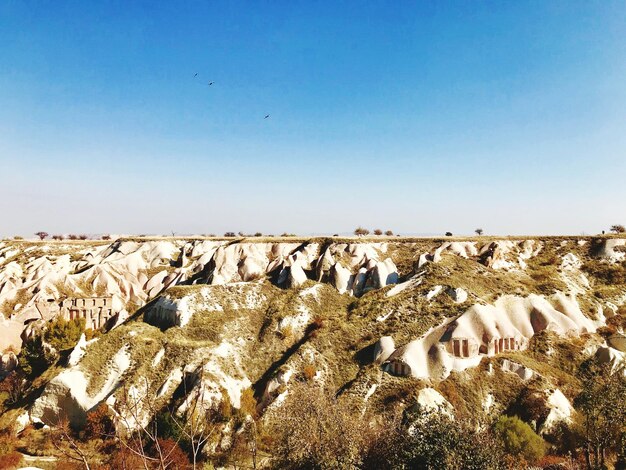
x=487 y=330
x=66 y=395
x=270 y=296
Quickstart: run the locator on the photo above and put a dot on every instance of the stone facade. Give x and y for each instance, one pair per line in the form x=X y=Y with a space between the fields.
x=95 y=310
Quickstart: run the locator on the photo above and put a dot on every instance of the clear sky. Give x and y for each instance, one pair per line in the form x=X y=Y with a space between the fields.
x=420 y=117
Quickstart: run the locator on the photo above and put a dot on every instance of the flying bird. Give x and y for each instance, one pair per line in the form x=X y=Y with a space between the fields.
x=210 y=83
x=196 y=74
x=266 y=116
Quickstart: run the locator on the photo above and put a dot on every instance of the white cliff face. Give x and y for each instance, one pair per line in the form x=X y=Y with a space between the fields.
x=66 y=395
x=486 y=330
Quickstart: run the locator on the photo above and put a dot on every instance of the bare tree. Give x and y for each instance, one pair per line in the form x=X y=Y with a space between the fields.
x=138 y=436
x=42 y=235
x=65 y=443
x=195 y=425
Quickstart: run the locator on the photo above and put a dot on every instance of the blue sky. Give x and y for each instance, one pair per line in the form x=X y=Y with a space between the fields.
x=420 y=117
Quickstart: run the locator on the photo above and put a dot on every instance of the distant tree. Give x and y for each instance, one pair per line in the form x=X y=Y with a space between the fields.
x=72 y=236
x=230 y=234
x=519 y=439
x=335 y=234
x=58 y=237
x=106 y=237
x=258 y=234
x=448 y=234
x=478 y=231
x=83 y=237
x=389 y=233
x=378 y=231
x=42 y=235
x=618 y=228
x=360 y=231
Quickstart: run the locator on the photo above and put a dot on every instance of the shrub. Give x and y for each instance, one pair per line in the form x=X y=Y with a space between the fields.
x=14 y=386
x=58 y=237
x=224 y=407
x=9 y=457
x=389 y=233
x=106 y=237
x=360 y=231
x=168 y=427
x=429 y=439
x=72 y=236
x=314 y=430
x=35 y=357
x=309 y=372
x=10 y=460
x=448 y=234
x=41 y=235
x=230 y=234
x=378 y=231
x=248 y=403
x=99 y=424
x=63 y=334
x=519 y=439
x=173 y=456
x=83 y=237
x=258 y=234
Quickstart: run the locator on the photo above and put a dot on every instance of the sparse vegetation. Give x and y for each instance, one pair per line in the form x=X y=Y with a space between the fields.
x=361 y=232
x=618 y=228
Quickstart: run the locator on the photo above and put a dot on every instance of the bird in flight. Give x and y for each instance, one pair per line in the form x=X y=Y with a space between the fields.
x=210 y=83
x=196 y=74
x=266 y=116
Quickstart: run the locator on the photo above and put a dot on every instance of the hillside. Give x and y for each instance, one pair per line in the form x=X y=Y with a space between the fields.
x=478 y=327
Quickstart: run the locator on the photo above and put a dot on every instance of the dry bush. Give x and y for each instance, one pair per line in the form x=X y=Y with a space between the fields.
x=360 y=231
x=314 y=430
x=309 y=372
x=99 y=424
x=248 y=404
